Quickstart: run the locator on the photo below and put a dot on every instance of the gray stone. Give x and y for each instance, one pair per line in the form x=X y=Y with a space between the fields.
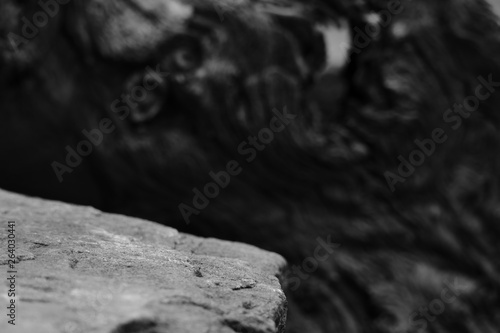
x=81 y=270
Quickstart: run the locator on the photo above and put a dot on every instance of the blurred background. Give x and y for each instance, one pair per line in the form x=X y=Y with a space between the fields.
x=282 y=124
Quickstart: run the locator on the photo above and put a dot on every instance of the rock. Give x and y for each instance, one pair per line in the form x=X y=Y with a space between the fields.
x=80 y=270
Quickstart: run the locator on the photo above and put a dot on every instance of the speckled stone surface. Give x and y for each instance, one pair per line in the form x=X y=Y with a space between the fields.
x=81 y=270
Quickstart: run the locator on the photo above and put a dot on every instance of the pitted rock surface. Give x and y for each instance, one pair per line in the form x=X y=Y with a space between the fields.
x=81 y=270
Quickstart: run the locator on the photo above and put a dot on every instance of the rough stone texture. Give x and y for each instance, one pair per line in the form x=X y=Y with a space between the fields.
x=80 y=270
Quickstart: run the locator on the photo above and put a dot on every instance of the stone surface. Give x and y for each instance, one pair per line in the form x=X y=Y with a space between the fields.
x=80 y=270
